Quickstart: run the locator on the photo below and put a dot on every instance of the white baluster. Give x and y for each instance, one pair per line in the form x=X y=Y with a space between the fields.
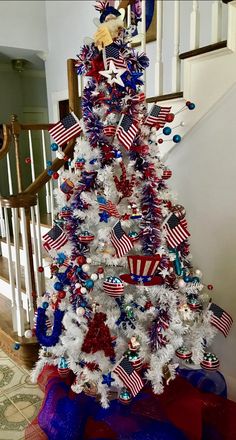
x=216 y=21
x=143 y=38
x=175 y=58
x=38 y=230
x=39 y=277
x=27 y=272
x=52 y=200
x=11 y=272
x=2 y=222
x=31 y=156
x=194 y=26
x=9 y=174
x=19 y=303
x=128 y=15
x=159 y=61
x=48 y=200
x=80 y=85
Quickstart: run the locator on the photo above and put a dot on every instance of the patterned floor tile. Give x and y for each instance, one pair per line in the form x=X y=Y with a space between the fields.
x=25 y=395
x=12 y=422
x=10 y=376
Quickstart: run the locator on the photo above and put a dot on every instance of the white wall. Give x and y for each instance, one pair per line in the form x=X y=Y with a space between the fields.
x=67 y=28
x=23 y=24
x=204 y=176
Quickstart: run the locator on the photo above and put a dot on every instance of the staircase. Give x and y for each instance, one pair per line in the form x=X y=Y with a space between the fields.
x=202 y=75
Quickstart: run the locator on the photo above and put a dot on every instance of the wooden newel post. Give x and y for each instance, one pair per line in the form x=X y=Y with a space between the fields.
x=16 y=129
x=73 y=88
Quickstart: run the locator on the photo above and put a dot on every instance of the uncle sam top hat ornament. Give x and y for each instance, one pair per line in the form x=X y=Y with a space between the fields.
x=142 y=270
x=106 y=10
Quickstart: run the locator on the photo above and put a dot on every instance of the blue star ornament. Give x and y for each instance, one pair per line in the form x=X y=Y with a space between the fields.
x=104 y=216
x=107 y=379
x=131 y=79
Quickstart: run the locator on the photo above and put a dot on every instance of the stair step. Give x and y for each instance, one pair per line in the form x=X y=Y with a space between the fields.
x=203 y=49
x=166 y=97
x=4 y=272
x=27 y=355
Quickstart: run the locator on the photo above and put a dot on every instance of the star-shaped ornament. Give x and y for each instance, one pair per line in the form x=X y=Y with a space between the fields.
x=107 y=379
x=104 y=216
x=96 y=65
x=131 y=79
x=113 y=74
x=164 y=272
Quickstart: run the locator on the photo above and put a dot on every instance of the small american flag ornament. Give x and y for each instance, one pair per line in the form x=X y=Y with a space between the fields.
x=220 y=319
x=54 y=239
x=66 y=129
x=129 y=376
x=120 y=240
x=126 y=131
x=112 y=53
x=157 y=116
x=176 y=231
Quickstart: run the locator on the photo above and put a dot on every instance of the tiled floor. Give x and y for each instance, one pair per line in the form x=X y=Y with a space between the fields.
x=19 y=399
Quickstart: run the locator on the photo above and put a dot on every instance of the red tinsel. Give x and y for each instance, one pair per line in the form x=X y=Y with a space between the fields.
x=98 y=337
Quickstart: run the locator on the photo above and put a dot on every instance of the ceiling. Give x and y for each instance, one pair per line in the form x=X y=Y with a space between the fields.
x=10 y=53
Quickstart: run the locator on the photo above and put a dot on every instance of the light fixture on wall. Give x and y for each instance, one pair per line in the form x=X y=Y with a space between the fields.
x=19 y=64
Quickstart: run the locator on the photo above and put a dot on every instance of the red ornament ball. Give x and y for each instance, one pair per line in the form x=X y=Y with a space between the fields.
x=40 y=269
x=160 y=141
x=210 y=287
x=55 y=176
x=81 y=260
x=61 y=294
x=188 y=103
x=27 y=160
x=100 y=269
x=170 y=117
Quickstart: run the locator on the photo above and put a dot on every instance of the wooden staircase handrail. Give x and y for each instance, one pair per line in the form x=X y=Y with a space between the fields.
x=5 y=135
x=20 y=200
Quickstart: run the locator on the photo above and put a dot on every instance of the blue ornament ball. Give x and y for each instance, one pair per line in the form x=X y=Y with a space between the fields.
x=49 y=163
x=45 y=305
x=58 y=286
x=89 y=284
x=176 y=138
x=54 y=147
x=50 y=172
x=191 y=106
x=16 y=346
x=167 y=131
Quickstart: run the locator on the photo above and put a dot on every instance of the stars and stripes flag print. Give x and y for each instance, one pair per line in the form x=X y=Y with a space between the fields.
x=220 y=319
x=109 y=130
x=129 y=376
x=157 y=115
x=176 y=230
x=112 y=53
x=66 y=129
x=108 y=206
x=126 y=131
x=54 y=239
x=120 y=240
